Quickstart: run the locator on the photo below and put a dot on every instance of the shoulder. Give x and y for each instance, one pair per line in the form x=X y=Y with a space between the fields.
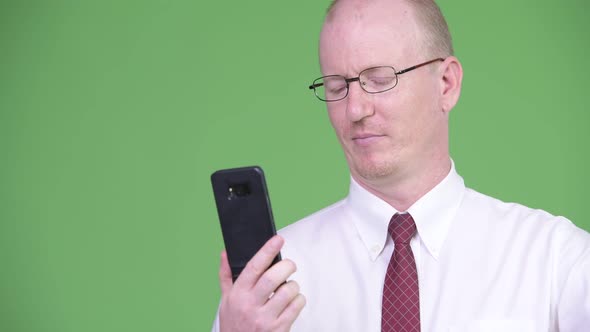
x=495 y=210
x=315 y=222
x=522 y=223
x=317 y=233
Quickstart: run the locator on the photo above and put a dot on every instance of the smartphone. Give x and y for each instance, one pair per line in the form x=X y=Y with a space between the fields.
x=245 y=215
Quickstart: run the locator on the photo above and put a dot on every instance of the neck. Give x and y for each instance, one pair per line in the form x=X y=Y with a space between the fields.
x=402 y=189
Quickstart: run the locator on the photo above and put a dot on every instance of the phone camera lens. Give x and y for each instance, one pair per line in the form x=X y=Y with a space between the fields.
x=238 y=190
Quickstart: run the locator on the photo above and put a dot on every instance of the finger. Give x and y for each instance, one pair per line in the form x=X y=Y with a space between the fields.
x=281 y=298
x=225 y=276
x=260 y=262
x=292 y=311
x=272 y=279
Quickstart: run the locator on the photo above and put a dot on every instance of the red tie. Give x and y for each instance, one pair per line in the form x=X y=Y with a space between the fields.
x=401 y=302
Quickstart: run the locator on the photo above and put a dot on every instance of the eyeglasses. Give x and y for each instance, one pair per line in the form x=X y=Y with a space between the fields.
x=372 y=80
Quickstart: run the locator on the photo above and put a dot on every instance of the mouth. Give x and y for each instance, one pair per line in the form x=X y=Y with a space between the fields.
x=366 y=139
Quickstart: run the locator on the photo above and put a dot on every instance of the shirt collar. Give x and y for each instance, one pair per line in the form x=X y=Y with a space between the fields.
x=432 y=213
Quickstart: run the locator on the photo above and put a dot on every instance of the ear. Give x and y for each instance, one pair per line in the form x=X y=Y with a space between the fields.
x=452 y=76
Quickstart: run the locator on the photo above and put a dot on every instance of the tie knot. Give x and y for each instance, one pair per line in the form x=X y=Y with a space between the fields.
x=402 y=228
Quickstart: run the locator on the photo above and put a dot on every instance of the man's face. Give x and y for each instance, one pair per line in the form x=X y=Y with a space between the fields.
x=395 y=133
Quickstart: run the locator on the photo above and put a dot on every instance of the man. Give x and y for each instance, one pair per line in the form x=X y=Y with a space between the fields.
x=410 y=248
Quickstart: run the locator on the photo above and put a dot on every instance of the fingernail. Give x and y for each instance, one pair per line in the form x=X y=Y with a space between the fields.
x=277 y=241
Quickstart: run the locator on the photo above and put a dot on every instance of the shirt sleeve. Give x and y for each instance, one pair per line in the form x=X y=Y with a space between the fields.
x=573 y=312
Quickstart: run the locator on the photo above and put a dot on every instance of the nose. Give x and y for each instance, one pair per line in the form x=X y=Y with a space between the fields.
x=358 y=103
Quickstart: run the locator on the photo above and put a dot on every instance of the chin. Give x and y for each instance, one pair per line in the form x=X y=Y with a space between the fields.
x=374 y=169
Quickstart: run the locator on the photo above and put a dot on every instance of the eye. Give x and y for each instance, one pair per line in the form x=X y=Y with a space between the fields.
x=380 y=80
x=335 y=86
x=337 y=89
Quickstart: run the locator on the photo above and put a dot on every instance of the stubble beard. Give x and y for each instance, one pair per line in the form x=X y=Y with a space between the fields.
x=373 y=169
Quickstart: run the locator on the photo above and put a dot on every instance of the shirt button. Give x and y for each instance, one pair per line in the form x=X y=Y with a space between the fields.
x=375 y=248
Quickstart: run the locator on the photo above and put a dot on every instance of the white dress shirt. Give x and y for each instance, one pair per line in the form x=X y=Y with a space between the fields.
x=483 y=265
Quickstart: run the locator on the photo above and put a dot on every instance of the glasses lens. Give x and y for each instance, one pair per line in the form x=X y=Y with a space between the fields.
x=332 y=88
x=378 y=79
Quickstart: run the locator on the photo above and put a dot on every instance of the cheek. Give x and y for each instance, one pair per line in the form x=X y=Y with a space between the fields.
x=393 y=113
x=426 y=120
x=405 y=116
x=337 y=119
x=418 y=100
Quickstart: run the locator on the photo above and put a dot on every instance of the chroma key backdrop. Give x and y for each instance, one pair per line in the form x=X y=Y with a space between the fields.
x=113 y=115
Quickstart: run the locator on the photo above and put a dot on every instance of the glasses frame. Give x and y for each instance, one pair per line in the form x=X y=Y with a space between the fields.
x=315 y=85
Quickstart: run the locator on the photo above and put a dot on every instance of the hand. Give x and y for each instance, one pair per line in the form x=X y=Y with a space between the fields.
x=247 y=304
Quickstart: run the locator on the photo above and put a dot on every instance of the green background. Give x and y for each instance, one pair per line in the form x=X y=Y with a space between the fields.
x=113 y=114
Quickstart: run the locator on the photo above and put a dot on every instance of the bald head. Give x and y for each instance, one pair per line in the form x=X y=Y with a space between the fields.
x=396 y=140
x=435 y=38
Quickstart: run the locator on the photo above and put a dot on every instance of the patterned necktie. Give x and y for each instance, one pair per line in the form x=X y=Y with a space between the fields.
x=401 y=302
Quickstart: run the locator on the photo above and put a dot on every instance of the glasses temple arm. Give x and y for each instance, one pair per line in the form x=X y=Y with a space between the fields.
x=403 y=71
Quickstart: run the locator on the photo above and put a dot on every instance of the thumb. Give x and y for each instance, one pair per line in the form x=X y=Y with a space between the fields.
x=225 y=276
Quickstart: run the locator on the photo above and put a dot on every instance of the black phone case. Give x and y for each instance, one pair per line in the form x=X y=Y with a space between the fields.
x=245 y=214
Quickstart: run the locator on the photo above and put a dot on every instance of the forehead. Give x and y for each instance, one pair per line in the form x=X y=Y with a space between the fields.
x=360 y=34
